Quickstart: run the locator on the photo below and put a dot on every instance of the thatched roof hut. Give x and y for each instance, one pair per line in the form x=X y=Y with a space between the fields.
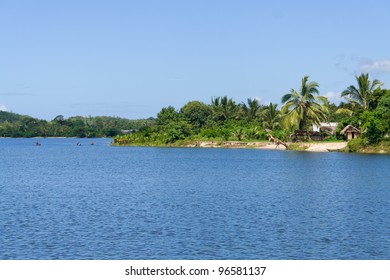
x=351 y=131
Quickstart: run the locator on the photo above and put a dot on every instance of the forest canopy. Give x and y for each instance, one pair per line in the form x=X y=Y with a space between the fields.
x=15 y=125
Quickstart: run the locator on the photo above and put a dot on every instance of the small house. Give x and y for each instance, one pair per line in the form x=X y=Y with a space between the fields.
x=327 y=127
x=128 y=131
x=351 y=131
x=303 y=135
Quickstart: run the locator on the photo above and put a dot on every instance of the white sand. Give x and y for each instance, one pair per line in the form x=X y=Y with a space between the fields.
x=312 y=146
x=323 y=147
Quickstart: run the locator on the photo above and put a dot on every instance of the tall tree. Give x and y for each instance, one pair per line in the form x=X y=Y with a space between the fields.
x=251 y=110
x=223 y=108
x=302 y=108
x=196 y=112
x=363 y=93
x=271 y=116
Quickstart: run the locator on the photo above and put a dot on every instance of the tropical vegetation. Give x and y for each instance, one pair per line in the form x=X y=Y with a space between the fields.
x=304 y=108
x=362 y=95
x=366 y=107
x=15 y=125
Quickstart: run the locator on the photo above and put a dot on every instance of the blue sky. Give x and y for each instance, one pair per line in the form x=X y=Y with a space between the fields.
x=131 y=58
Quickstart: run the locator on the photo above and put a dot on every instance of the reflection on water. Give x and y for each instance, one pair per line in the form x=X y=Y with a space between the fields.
x=62 y=201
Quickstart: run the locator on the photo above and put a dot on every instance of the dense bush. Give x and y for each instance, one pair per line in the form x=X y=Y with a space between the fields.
x=14 y=125
x=357 y=144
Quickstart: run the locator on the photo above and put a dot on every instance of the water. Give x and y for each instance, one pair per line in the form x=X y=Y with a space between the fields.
x=62 y=201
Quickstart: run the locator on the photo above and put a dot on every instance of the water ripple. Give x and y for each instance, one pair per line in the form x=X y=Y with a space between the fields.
x=102 y=202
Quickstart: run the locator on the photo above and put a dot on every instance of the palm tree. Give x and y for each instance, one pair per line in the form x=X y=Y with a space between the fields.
x=251 y=110
x=362 y=95
x=240 y=134
x=223 y=108
x=271 y=116
x=304 y=107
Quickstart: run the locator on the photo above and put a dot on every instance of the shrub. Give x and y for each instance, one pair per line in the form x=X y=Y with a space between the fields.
x=356 y=144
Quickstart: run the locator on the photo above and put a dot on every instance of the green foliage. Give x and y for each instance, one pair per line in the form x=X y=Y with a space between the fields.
x=356 y=145
x=373 y=133
x=197 y=113
x=14 y=125
x=210 y=133
x=251 y=110
x=176 y=131
x=281 y=134
x=303 y=108
x=10 y=117
x=338 y=113
x=224 y=120
x=253 y=133
x=297 y=147
x=223 y=109
x=271 y=117
x=361 y=145
x=374 y=123
x=368 y=109
x=239 y=133
x=167 y=115
x=377 y=95
x=362 y=94
x=382 y=113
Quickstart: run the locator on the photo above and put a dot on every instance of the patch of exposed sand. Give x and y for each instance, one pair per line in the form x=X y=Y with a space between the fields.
x=325 y=147
x=311 y=147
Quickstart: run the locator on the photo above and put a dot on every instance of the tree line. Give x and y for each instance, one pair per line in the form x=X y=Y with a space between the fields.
x=366 y=106
x=15 y=125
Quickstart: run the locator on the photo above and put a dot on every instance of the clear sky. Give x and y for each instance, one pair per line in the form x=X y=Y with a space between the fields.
x=131 y=58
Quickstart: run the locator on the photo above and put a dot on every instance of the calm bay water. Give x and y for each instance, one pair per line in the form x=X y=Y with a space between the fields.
x=62 y=201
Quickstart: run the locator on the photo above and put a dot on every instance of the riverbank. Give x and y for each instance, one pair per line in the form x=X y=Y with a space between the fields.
x=380 y=148
x=309 y=147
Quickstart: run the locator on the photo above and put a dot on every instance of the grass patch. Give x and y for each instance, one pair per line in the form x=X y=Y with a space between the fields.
x=361 y=146
x=297 y=147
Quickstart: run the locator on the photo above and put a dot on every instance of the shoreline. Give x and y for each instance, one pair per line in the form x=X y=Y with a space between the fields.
x=300 y=146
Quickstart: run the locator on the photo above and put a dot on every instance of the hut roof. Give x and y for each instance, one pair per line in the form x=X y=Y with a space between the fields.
x=349 y=128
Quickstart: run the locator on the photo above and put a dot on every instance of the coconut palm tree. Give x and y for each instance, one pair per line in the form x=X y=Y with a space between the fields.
x=363 y=93
x=223 y=108
x=302 y=108
x=271 y=116
x=251 y=110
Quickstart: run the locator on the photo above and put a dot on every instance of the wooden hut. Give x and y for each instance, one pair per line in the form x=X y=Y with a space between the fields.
x=303 y=135
x=351 y=131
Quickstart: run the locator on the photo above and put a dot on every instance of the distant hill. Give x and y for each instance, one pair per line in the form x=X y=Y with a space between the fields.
x=16 y=125
x=10 y=117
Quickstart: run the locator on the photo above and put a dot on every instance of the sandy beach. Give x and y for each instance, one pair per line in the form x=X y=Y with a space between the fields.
x=309 y=147
x=325 y=147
